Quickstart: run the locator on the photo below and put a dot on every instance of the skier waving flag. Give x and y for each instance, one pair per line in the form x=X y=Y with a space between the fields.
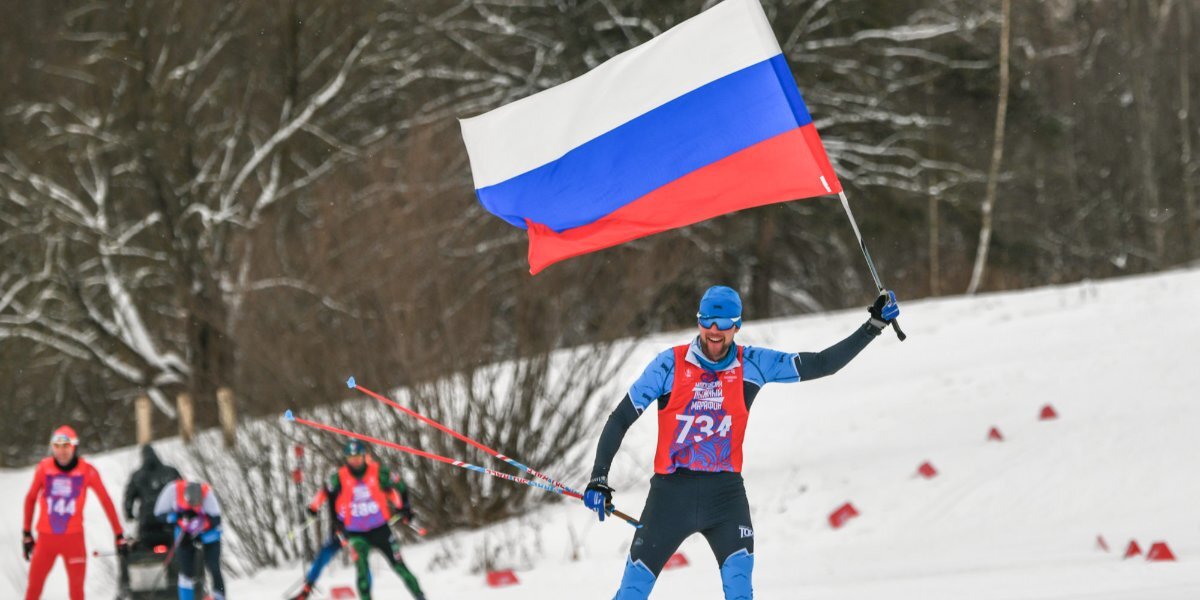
x=703 y=120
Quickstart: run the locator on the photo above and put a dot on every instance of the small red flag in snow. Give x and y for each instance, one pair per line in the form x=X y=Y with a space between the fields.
x=676 y=561
x=994 y=435
x=1048 y=413
x=1132 y=550
x=343 y=592
x=926 y=470
x=844 y=513
x=1159 y=551
x=1100 y=543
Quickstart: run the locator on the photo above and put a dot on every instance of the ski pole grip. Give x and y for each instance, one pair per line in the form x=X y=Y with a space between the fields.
x=899 y=332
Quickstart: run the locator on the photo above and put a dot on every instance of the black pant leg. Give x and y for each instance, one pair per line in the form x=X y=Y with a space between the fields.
x=725 y=518
x=212 y=560
x=668 y=519
x=382 y=539
x=185 y=555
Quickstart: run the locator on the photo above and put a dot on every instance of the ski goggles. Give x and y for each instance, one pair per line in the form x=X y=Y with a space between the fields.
x=722 y=323
x=62 y=439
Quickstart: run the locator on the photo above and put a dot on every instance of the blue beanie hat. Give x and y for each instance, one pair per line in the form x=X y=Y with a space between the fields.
x=721 y=301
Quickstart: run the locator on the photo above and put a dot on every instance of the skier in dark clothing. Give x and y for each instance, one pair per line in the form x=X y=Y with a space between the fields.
x=703 y=391
x=142 y=492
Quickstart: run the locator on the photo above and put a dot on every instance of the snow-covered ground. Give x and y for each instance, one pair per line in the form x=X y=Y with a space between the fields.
x=1017 y=519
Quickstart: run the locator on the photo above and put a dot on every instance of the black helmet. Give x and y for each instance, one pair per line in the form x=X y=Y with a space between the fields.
x=354 y=448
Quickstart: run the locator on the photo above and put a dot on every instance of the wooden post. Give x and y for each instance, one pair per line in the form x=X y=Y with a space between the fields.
x=228 y=415
x=141 y=410
x=186 y=424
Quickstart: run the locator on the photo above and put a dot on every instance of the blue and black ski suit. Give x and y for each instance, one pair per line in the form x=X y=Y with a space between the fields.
x=697 y=487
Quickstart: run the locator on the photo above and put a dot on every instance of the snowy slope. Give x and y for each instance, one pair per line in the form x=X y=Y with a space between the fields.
x=1014 y=520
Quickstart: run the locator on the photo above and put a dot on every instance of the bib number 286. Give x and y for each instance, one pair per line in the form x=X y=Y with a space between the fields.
x=705 y=424
x=363 y=509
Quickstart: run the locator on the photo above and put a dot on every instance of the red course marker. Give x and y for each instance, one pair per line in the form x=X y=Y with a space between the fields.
x=844 y=513
x=1159 y=551
x=1132 y=550
x=994 y=435
x=927 y=471
x=676 y=561
x=1048 y=413
x=501 y=578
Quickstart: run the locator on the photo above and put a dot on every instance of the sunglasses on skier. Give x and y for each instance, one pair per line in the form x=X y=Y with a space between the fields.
x=722 y=323
x=61 y=440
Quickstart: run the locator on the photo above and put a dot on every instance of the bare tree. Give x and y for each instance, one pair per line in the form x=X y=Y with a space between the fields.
x=137 y=209
x=1188 y=167
x=989 y=201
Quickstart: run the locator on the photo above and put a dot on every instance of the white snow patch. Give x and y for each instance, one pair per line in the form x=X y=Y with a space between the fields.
x=1010 y=520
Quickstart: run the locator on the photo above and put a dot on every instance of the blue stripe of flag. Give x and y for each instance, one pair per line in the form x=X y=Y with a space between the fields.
x=688 y=133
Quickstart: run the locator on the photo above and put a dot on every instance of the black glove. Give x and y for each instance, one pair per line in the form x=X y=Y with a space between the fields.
x=188 y=514
x=28 y=543
x=884 y=310
x=311 y=511
x=122 y=545
x=405 y=513
x=597 y=496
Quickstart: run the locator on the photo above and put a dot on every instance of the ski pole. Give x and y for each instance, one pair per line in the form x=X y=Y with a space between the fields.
x=396 y=519
x=298 y=530
x=870 y=263
x=166 y=563
x=450 y=461
x=352 y=384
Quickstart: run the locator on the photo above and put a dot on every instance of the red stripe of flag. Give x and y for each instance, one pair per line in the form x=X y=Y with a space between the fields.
x=783 y=168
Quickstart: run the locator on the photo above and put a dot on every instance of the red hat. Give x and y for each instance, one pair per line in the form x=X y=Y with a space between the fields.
x=64 y=434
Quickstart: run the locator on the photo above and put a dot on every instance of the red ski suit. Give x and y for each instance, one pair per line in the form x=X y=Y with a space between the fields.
x=60 y=495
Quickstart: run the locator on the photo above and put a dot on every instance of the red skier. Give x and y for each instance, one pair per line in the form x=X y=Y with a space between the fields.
x=59 y=488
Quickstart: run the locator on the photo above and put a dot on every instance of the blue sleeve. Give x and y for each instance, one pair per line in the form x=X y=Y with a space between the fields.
x=763 y=366
x=654 y=382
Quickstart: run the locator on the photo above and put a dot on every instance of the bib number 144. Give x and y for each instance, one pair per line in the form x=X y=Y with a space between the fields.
x=705 y=424
x=62 y=506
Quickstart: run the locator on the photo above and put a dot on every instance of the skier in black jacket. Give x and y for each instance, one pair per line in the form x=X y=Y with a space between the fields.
x=141 y=493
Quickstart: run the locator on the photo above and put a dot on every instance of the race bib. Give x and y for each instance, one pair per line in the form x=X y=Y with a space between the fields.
x=62 y=498
x=365 y=512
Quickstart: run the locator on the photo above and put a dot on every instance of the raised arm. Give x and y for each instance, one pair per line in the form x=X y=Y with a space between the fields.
x=815 y=365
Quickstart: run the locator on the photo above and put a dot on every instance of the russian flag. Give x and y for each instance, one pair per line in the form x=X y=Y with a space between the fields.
x=703 y=120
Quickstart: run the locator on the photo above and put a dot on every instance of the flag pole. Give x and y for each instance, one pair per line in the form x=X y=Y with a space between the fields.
x=870 y=263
